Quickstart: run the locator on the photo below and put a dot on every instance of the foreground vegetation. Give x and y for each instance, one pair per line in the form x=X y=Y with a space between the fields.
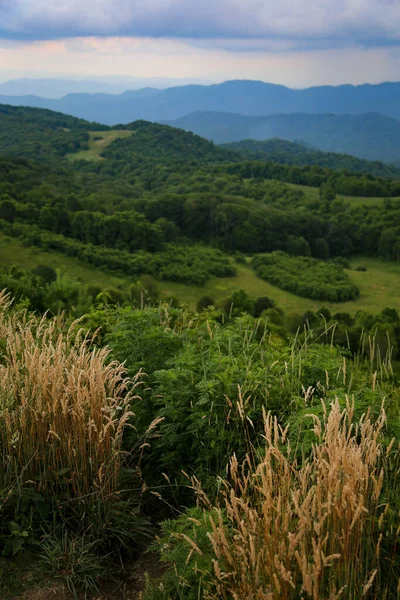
x=89 y=469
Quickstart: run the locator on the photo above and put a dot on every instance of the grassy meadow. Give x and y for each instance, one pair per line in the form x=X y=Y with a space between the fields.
x=312 y=193
x=379 y=285
x=98 y=141
x=13 y=252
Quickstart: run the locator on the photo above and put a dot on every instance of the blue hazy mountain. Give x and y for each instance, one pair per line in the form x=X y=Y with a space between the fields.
x=369 y=136
x=249 y=98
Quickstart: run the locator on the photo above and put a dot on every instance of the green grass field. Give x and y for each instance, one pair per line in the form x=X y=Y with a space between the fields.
x=13 y=252
x=379 y=285
x=96 y=147
x=313 y=194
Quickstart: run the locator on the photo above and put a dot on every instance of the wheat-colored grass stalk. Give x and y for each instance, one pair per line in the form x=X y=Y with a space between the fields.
x=289 y=531
x=63 y=407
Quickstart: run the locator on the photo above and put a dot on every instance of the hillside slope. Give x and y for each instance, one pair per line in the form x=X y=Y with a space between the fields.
x=43 y=134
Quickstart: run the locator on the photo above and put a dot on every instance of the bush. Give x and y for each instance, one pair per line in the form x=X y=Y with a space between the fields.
x=185 y=547
x=204 y=302
x=261 y=304
x=193 y=370
x=239 y=303
x=240 y=259
x=48 y=274
x=179 y=263
x=306 y=277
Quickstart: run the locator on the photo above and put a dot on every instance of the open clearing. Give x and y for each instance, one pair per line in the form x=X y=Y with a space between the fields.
x=13 y=252
x=98 y=141
x=379 y=285
x=312 y=193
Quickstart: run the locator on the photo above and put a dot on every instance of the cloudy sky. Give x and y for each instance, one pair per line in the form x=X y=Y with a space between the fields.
x=294 y=42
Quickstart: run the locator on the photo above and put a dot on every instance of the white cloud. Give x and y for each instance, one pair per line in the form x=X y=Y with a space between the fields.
x=143 y=57
x=368 y=22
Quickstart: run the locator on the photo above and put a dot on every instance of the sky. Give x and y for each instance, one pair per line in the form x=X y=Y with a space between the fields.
x=298 y=43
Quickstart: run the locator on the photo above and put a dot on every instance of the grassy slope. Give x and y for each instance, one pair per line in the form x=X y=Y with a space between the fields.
x=13 y=252
x=379 y=287
x=96 y=147
x=313 y=194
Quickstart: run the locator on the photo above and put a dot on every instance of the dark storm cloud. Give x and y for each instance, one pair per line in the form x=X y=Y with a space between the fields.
x=293 y=23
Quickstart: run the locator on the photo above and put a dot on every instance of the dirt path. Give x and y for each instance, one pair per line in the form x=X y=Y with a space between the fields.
x=128 y=588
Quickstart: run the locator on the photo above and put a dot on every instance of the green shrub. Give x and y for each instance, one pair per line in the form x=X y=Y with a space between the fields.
x=204 y=302
x=307 y=277
x=185 y=548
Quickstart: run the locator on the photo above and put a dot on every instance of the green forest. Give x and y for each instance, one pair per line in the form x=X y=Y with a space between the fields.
x=301 y=154
x=226 y=447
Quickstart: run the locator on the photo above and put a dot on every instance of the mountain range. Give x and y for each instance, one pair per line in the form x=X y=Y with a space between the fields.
x=55 y=88
x=363 y=121
x=369 y=136
x=249 y=98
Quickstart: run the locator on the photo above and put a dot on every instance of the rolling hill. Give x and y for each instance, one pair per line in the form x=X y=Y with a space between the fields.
x=43 y=134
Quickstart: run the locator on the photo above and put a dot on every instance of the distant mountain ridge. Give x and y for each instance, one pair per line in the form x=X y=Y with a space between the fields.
x=56 y=87
x=300 y=154
x=368 y=136
x=249 y=98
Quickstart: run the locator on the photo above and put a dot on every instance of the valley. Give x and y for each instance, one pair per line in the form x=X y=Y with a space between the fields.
x=199 y=350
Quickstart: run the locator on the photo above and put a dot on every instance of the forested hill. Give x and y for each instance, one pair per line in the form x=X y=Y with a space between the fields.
x=156 y=153
x=42 y=134
x=369 y=136
x=300 y=154
x=45 y=135
x=161 y=142
x=48 y=119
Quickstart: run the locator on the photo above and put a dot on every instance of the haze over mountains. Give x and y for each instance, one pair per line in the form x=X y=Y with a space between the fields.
x=54 y=88
x=360 y=120
x=251 y=98
x=370 y=136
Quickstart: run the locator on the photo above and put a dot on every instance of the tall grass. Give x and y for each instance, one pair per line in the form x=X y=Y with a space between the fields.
x=314 y=530
x=63 y=408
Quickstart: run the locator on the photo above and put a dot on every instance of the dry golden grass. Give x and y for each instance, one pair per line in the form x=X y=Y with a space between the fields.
x=289 y=531
x=63 y=408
